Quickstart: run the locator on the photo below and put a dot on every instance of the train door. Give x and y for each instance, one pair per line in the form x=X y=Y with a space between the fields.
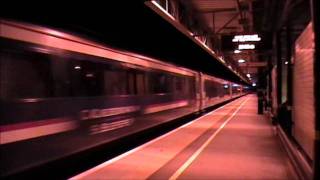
x=199 y=93
x=202 y=91
x=141 y=83
x=230 y=90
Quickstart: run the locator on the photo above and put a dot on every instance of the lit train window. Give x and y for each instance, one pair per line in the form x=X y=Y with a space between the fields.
x=86 y=78
x=101 y=79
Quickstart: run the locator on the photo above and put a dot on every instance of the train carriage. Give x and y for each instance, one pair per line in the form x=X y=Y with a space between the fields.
x=60 y=94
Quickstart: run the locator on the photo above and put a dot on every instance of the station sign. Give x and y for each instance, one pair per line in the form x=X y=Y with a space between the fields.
x=228 y=42
x=246 y=38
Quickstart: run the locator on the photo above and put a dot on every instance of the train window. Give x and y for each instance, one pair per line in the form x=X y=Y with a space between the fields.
x=169 y=83
x=96 y=78
x=115 y=82
x=192 y=86
x=25 y=74
x=101 y=79
x=27 y=71
x=131 y=76
x=86 y=78
x=179 y=85
x=61 y=79
x=159 y=83
x=212 y=88
x=183 y=85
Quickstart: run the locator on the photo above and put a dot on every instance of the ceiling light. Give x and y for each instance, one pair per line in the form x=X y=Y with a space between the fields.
x=248 y=75
x=241 y=61
x=237 y=51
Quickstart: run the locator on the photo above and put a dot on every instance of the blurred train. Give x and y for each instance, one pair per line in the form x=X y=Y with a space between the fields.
x=61 y=94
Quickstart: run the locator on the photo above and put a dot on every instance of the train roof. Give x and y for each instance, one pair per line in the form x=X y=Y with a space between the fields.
x=58 y=39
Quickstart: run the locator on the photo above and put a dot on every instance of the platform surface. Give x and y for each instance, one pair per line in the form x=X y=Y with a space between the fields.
x=231 y=142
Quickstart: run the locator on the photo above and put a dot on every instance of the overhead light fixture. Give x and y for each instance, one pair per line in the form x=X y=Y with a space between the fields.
x=248 y=75
x=254 y=84
x=241 y=61
x=237 y=51
x=286 y=62
x=246 y=38
x=246 y=46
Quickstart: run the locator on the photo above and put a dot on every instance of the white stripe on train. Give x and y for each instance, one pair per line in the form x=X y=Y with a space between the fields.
x=35 y=131
x=164 y=106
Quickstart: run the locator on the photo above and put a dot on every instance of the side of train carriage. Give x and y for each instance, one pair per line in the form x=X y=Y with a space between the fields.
x=60 y=94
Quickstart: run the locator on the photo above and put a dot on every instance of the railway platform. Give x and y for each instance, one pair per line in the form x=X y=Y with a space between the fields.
x=231 y=142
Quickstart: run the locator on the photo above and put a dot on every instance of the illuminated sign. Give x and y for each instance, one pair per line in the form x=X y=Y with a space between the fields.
x=246 y=46
x=246 y=38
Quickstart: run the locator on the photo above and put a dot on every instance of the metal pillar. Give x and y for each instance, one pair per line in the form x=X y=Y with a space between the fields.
x=279 y=66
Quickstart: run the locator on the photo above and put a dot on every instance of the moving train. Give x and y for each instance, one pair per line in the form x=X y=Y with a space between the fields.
x=61 y=94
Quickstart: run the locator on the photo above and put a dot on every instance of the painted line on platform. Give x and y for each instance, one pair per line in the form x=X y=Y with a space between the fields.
x=197 y=153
